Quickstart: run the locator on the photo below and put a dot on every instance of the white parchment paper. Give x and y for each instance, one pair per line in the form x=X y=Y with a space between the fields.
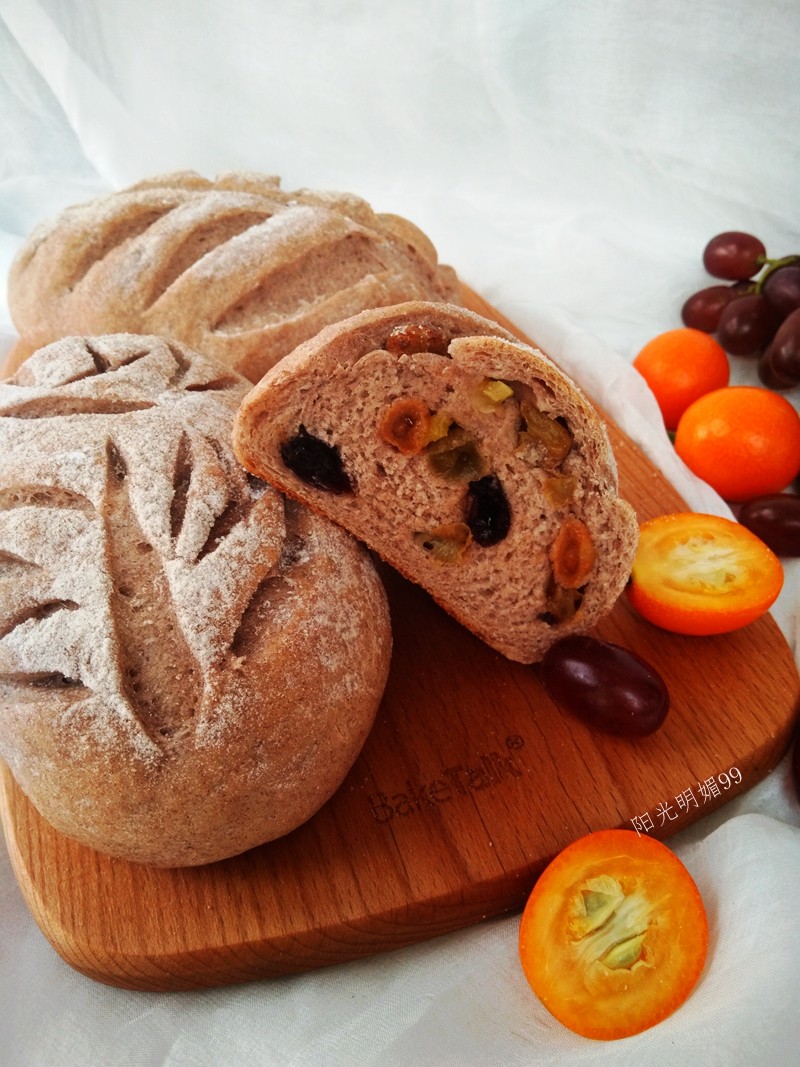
x=570 y=159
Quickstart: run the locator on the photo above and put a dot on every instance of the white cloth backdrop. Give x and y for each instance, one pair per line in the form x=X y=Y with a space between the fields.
x=570 y=160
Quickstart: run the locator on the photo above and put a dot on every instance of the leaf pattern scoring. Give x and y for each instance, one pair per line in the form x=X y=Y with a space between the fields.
x=131 y=543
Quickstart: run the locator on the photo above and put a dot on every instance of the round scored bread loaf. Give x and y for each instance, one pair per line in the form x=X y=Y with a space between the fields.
x=236 y=268
x=463 y=457
x=189 y=663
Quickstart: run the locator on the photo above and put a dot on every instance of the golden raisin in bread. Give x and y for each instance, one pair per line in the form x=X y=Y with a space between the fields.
x=189 y=664
x=235 y=268
x=463 y=457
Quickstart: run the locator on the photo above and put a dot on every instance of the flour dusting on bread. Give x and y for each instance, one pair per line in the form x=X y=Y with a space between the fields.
x=171 y=643
x=236 y=267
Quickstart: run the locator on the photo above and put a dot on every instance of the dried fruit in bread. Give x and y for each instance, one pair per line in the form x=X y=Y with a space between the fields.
x=465 y=458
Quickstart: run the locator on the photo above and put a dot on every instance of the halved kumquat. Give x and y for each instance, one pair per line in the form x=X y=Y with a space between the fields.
x=614 y=936
x=702 y=574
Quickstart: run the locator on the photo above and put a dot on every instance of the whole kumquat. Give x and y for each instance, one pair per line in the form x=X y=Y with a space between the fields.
x=743 y=440
x=680 y=366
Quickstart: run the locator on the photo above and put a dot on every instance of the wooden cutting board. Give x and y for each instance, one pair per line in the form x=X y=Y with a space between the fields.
x=470 y=781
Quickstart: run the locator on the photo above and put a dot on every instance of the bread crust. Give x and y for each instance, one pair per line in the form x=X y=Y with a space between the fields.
x=189 y=663
x=339 y=386
x=236 y=268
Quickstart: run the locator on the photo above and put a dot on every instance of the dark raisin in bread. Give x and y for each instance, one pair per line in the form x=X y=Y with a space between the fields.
x=463 y=457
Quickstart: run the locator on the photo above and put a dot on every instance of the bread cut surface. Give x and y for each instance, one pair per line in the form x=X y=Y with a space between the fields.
x=236 y=268
x=465 y=458
x=189 y=663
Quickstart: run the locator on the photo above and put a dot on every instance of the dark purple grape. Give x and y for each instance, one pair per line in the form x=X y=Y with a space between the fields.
x=702 y=309
x=781 y=287
x=315 y=462
x=488 y=512
x=746 y=325
x=775 y=518
x=605 y=685
x=734 y=256
x=783 y=354
x=768 y=376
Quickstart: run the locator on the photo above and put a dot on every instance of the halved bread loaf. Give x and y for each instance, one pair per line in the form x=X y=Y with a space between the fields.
x=463 y=457
x=235 y=268
x=189 y=663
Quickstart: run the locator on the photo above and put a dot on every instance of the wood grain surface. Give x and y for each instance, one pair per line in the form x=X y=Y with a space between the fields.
x=471 y=780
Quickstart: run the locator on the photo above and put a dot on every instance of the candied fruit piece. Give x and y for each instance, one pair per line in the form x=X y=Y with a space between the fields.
x=488 y=511
x=455 y=457
x=417 y=337
x=315 y=462
x=572 y=554
x=560 y=489
x=439 y=426
x=406 y=425
x=446 y=544
x=562 y=604
x=547 y=440
x=490 y=394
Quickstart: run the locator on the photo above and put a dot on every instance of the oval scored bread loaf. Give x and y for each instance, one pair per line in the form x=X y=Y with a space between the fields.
x=236 y=268
x=189 y=663
x=465 y=458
